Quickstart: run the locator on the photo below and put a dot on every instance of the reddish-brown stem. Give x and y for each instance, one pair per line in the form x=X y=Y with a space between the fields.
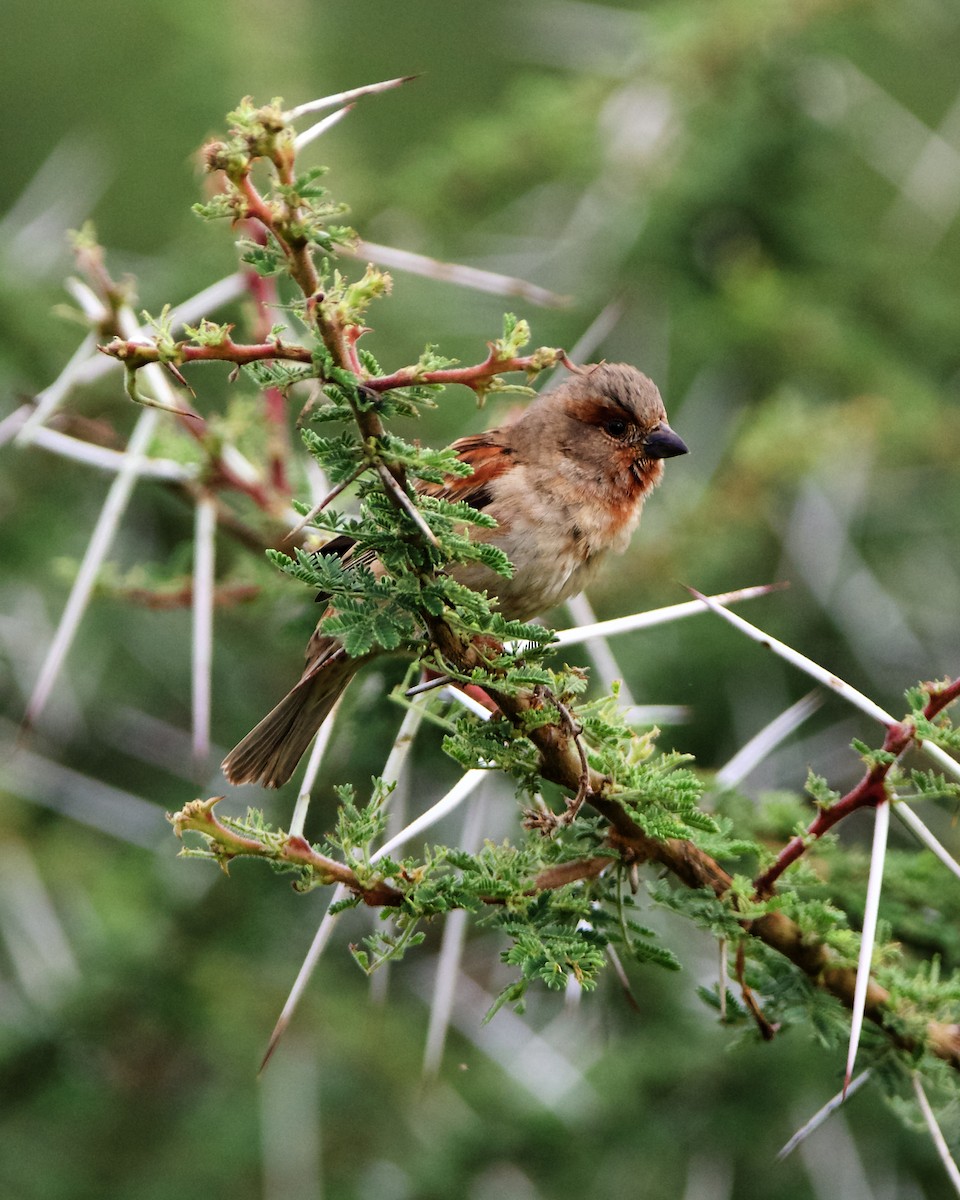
x=767 y=1031
x=139 y=354
x=560 y=763
x=942 y=695
x=583 y=786
x=199 y=817
x=136 y=354
x=471 y=377
x=256 y=207
x=868 y=793
x=352 y=335
x=263 y=292
x=303 y=269
x=339 y=339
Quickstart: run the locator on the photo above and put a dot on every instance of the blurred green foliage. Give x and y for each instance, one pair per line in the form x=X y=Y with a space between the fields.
x=770 y=196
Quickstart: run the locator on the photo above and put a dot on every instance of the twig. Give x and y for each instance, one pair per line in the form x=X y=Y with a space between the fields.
x=391 y=773
x=134 y=352
x=476 y=377
x=583 y=789
x=263 y=291
x=767 y=1031
x=198 y=817
x=86 y=371
x=561 y=764
x=872 y=790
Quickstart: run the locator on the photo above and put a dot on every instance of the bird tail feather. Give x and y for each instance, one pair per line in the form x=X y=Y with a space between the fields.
x=270 y=752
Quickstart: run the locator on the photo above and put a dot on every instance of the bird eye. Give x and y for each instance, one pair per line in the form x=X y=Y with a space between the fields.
x=616 y=427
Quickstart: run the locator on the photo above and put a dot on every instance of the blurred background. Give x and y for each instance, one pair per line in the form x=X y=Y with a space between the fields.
x=757 y=205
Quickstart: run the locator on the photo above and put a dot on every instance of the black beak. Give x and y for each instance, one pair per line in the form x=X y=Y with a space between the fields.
x=663 y=443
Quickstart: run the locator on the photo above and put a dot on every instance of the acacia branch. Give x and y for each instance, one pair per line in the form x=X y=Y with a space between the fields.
x=477 y=377
x=136 y=354
x=871 y=790
x=281 y=226
x=560 y=763
x=226 y=843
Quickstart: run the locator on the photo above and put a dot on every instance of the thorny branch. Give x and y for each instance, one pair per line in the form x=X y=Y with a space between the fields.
x=560 y=763
x=263 y=292
x=870 y=791
x=226 y=844
x=135 y=354
x=561 y=755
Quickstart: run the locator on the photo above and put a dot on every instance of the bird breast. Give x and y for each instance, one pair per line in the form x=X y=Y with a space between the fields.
x=556 y=538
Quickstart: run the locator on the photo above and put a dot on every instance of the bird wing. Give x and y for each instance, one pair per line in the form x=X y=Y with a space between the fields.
x=488 y=456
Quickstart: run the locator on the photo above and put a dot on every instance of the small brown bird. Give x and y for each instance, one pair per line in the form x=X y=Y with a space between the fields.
x=565 y=481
